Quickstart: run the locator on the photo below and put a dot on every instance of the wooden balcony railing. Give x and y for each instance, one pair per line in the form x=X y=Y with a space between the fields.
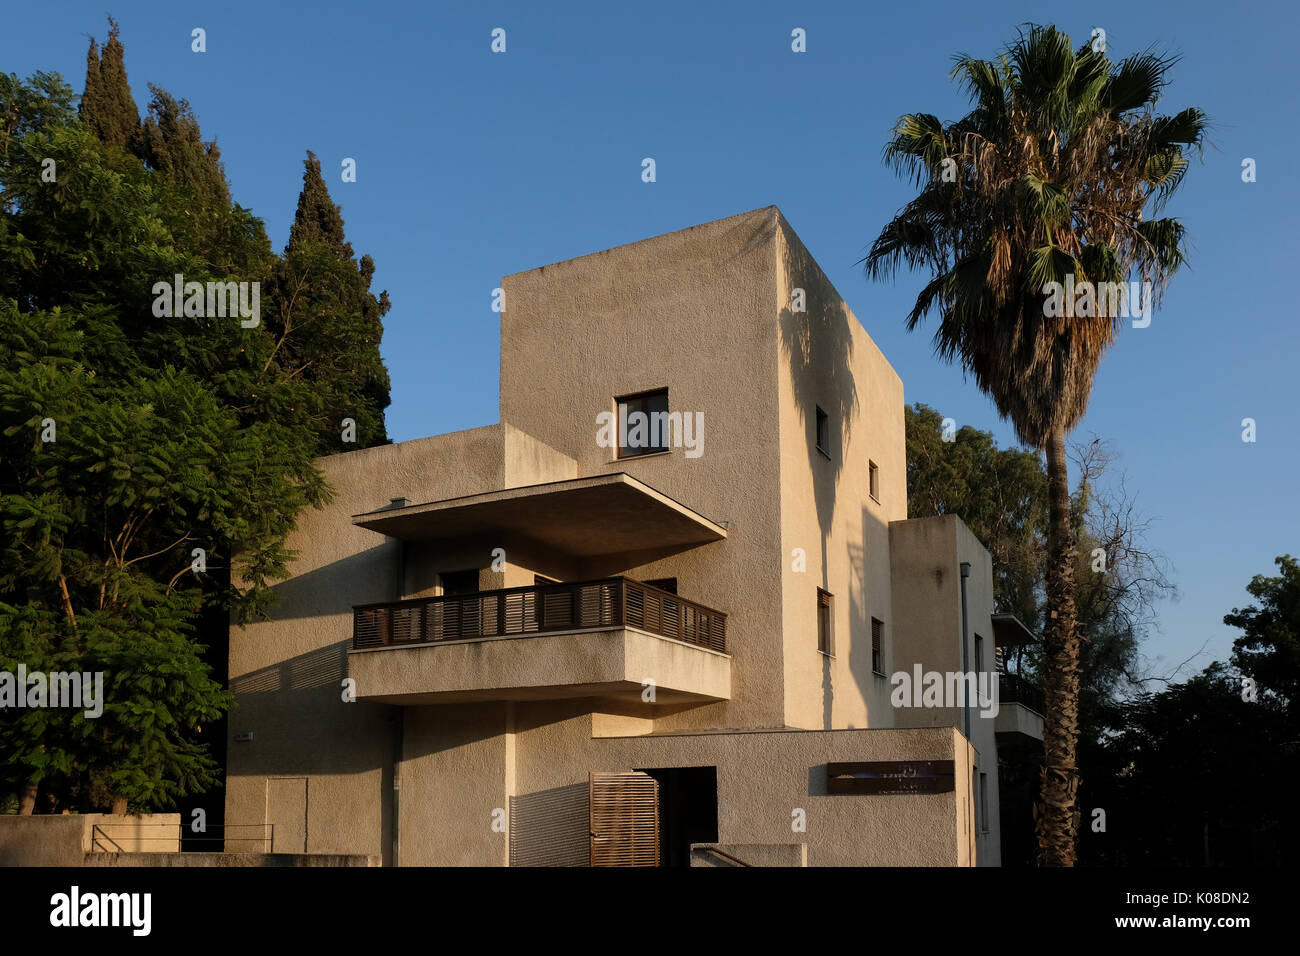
x=539 y=609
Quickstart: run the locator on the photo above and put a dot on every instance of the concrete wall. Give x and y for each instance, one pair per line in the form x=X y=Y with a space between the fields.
x=826 y=360
x=287 y=674
x=65 y=839
x=223 y=860
x=465 y=763
x=693 y=311
x=926 y=555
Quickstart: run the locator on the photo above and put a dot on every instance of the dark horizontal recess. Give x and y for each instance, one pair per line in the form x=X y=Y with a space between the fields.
x=891 y=776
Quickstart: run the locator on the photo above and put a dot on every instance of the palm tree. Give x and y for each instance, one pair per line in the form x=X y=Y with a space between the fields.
x=1044 y=180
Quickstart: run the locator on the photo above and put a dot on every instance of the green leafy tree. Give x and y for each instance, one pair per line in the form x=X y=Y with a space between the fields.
x=172 y=434
x=1268 y=652
x=1049 y=175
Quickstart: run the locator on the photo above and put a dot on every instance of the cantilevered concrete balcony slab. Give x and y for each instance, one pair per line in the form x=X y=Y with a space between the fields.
x=1020 y=708
x=593 y=517
x=604 y=638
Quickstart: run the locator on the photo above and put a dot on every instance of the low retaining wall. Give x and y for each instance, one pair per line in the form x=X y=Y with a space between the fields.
x=229 y=859
x=65 y=839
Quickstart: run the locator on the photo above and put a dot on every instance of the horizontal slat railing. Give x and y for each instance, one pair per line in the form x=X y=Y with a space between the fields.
x=539 y=609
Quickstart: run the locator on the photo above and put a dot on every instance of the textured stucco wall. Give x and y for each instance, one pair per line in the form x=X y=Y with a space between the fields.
x=763 y=777
x=826 y=360
x=692 y=311
x=66 y=839
x=287 y=673
x=926 y=554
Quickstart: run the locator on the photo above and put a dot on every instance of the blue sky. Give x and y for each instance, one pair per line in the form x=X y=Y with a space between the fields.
x=473 y=165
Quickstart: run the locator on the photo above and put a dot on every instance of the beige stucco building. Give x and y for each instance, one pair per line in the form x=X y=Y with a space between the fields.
x=549 y=642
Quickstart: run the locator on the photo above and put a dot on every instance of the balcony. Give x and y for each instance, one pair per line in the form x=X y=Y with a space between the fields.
x=1020 y=707
x=605 y=638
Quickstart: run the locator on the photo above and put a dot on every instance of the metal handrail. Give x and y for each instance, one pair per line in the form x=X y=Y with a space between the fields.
x=600 y=603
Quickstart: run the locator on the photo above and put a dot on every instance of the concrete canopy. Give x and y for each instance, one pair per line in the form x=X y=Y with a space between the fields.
x=1010 y=631
x=593 y=517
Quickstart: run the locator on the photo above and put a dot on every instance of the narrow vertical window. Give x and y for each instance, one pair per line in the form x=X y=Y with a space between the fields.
x=823 y=432
x=824 y=640
x=873 y=480
x=877 y=651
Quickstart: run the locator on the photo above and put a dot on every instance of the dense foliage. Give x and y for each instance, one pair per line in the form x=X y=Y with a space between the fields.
x=151 y=467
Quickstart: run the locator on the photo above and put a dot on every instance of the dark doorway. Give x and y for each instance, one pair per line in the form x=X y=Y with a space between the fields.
x=688 y=811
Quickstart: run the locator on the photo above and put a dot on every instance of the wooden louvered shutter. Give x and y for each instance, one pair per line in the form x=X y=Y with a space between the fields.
x=624 y=819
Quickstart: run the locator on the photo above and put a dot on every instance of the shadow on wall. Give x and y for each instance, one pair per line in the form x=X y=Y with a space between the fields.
x=325 y=667
x=818 y=344
x=874 y=533
x=551 y=827
x=362 y=578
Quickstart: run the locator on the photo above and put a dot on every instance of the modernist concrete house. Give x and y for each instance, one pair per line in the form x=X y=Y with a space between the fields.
x=551 y=641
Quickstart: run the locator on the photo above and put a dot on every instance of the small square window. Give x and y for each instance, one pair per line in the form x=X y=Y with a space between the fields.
x=825 y=643
x=643 y=423
x=873 y=480
x=823 y=432
x=877 y=650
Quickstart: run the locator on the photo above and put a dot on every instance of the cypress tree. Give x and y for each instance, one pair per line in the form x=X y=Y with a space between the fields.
x=172 y=143
x=318 y=219
x=327 y=322
x=107 y=106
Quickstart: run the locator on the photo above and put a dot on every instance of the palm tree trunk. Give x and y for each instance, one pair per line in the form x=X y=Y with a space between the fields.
x=27 y=802
x=1057 y=819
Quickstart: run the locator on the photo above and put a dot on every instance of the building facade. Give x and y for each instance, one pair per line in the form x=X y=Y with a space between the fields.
x=655 y=615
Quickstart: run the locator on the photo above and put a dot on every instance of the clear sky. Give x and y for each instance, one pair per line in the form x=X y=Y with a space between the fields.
x=473 y=165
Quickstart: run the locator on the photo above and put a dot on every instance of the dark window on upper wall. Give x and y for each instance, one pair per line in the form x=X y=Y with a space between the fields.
x=873 y=480
x=979 y=654
x=459 y=582
x=664 y=584
x=825 y=639
x=649 y=438
x=823 y=432
x=877 y=647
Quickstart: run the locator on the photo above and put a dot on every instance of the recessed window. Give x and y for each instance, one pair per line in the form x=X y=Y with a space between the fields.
x=664 y=584
x=825 y=643
x=877 y=649
x=643 y=423
x=984 y=802
x=873 y=480
x=459 y=582
x=979 y=654
x=823 y=432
